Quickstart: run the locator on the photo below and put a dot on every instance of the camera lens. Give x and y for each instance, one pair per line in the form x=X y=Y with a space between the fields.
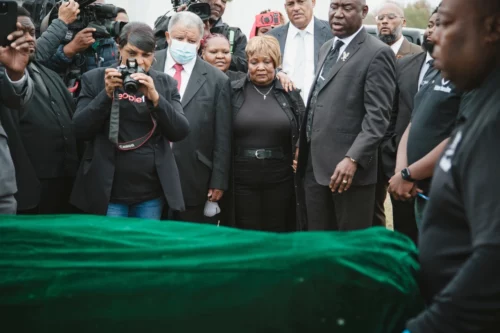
x=266 y=20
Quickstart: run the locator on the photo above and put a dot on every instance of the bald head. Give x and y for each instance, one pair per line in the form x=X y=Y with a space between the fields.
x=391 y=7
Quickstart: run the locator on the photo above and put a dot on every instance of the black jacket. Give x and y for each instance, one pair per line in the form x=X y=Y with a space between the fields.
x=92 y=189
x=239 y=58
x=293 y=106
x=28 y=195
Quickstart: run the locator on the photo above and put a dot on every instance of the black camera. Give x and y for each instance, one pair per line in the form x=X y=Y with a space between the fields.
x=195 y=6
x=130 y=85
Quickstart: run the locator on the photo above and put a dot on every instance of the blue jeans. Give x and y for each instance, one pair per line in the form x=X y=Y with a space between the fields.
x=151 y=209
x=420 y=205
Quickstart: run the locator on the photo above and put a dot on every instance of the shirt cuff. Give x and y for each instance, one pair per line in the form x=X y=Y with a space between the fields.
x=19 y=85
x=60 y=54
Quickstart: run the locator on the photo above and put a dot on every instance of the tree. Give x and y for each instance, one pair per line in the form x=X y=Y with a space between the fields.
x=417 y=14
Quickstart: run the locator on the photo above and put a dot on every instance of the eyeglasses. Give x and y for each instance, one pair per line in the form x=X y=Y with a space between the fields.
x=389 y=17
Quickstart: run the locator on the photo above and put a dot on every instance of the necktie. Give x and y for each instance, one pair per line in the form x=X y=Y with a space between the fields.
x=330 y=60
x=177 y=76
x=428 y=72
x=300 y=61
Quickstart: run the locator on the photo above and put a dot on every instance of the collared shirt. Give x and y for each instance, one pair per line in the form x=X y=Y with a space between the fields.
x=19 y=85
x=346 y=40
x=424 y=69
x=290 y=55
x=185 y=74
x=433 y=118
x=397 y=45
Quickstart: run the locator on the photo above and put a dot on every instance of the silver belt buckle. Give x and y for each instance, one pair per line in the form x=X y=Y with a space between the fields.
x=257 y=154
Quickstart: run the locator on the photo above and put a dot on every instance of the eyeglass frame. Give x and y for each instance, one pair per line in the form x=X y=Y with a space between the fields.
x=387 y=15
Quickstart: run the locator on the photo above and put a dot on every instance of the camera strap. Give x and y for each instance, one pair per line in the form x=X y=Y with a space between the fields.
x=114 y=128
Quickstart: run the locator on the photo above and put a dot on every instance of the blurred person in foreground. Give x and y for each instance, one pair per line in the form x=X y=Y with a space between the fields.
x=204 y=157
x=216 y=52
x=300 y=42
x=16 y=89
x=41 y=138
x=265 y=131
x=410 y=72
x=459 y=239
x=128 y=168
x=265 y=23
x=347 y=115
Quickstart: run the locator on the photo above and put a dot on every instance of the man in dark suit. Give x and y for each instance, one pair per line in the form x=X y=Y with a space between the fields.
x=410 y=73
x=16 y=89
x=204 y=156
x=347 y=116
x=390 y=22
x=300 y=41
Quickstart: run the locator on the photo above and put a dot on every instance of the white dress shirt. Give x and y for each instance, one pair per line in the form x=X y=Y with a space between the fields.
x=424 y=69
x=346 y=41
x=397 y=45
x=185 y=74
x=290 y=54
x=19 y=85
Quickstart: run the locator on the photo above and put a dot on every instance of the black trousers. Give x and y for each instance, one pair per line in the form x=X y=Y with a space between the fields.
x=54 y=198
x=404 y=218
x=264 y=194
x=351 y=210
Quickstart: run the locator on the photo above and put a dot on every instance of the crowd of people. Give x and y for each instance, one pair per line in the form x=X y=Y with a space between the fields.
x=306 y=126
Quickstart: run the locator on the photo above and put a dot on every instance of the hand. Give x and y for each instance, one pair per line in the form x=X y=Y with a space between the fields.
x=15 y=57
x=401 y=189
x=68 y=11
x=82 y=41
x=295 y=159
x=147 y=87
x=342 y=177
x=112 y=80
x=215 y=195
x=285 y=81
x=182 y=8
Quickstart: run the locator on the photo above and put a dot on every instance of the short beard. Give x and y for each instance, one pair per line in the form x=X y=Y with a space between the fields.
x=428 y=46
x=392 y=37
x=388 y=39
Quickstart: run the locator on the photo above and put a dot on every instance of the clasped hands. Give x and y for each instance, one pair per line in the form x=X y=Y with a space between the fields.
x=401 y=189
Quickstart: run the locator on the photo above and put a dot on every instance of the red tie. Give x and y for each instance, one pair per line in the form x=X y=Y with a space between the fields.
x=177 y=76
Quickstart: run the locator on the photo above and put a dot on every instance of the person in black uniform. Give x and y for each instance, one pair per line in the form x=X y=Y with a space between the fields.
x=460 y=236
x=129 y=169
x=433 y=118
x=265 y=131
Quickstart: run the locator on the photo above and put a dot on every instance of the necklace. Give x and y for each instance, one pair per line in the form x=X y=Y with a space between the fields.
x=263 y=95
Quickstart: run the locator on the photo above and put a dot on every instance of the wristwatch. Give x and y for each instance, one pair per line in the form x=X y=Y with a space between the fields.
x=406 y=175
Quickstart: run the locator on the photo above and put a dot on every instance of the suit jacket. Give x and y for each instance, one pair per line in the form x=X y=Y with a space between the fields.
x=94 y=180
x=28 y=184
x=322 y=33
x=407 y=75
x=408 y=48
x=204 y=157
x=9 y=98
x=352 y=110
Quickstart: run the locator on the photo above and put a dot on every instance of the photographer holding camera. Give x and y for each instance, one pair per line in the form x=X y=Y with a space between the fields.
x=130 y=115
x=213 y=25
x=83 y=52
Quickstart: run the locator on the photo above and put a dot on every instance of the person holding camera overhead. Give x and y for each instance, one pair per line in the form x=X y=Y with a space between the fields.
x=129 y=115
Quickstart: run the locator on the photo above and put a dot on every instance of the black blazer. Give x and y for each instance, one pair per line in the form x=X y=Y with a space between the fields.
x=92 y=189
x=204 y=157
x=352 y=111
x=407 y=75
x=322 y=34
x=28 y=184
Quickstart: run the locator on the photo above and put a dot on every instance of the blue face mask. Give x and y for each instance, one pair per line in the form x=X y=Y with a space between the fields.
x=182 y=52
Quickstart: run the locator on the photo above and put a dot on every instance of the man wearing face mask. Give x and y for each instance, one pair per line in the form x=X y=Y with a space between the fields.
x=214 y=25
x=204 y=156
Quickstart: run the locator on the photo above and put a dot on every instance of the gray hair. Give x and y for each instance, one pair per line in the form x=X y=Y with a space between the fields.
x=187 y=20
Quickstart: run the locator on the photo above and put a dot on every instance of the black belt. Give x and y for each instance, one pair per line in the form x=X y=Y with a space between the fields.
x=262 y=154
